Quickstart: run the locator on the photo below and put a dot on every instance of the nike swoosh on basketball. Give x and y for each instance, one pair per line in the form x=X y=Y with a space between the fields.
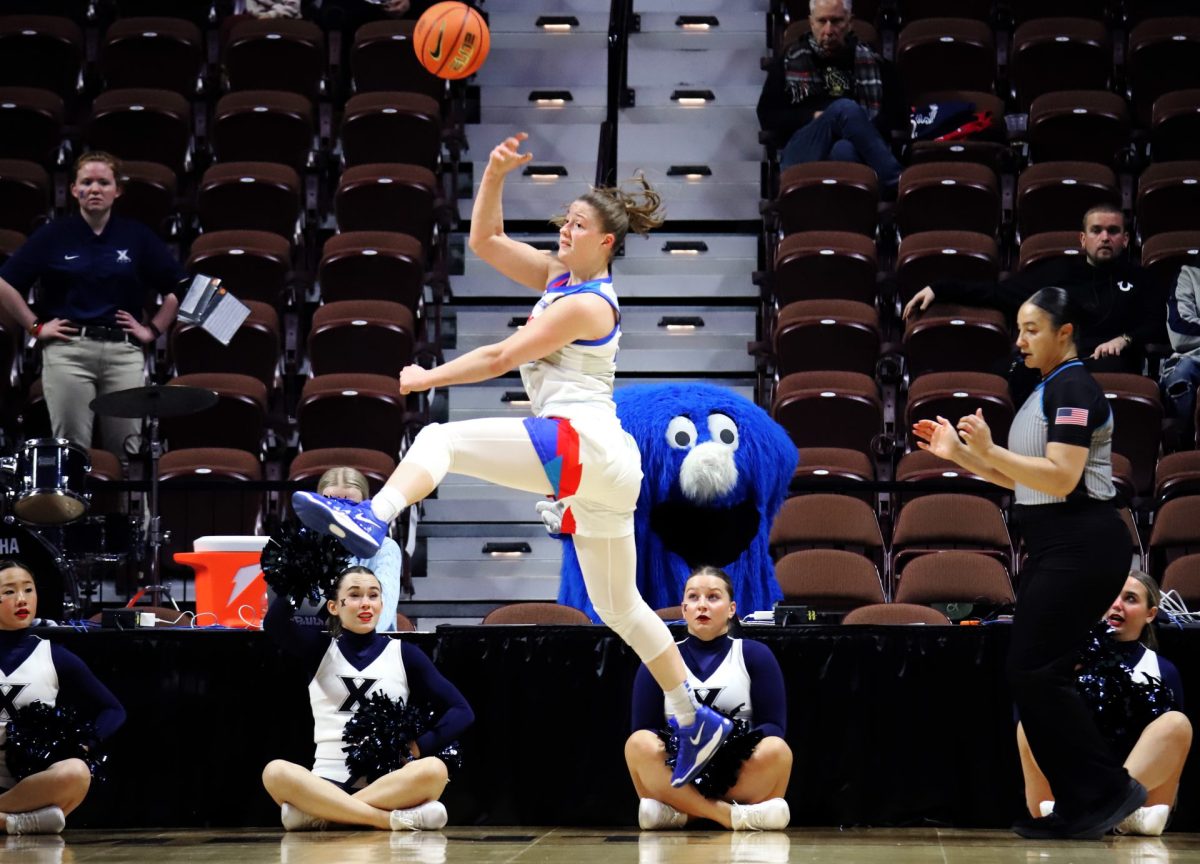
x=436 y=53
x=695 y=739
x=70 y=257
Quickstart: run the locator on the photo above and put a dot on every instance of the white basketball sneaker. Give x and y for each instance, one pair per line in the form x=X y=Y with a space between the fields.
x=429 y=816
x=771 y=815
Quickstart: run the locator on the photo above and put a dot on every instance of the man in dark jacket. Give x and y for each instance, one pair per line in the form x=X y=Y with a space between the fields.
x=830 y=97
x=1125 y=308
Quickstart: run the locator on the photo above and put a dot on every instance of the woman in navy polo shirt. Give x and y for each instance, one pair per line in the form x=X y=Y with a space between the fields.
x=95 y=272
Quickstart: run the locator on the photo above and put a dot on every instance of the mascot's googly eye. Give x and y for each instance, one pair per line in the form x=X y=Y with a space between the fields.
x=681 y=433
x=723 y=430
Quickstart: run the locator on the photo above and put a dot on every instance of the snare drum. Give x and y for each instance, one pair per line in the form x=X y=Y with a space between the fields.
x=49 y=570
x=50 y=478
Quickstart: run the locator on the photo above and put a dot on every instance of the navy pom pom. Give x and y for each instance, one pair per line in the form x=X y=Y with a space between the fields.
x=302 y=564
x=40 y=735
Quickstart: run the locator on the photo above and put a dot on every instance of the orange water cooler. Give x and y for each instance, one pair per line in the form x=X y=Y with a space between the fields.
x=229 y=580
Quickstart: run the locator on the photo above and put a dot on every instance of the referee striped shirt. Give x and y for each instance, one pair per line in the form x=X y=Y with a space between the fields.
x=1067 y=407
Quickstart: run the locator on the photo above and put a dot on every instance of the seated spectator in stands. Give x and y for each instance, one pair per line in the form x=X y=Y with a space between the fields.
x=1124 y=307
x=272 y=8
x=350 y=484
x=830 y=97
x=1181 y=371
x=35 y=670
x=95 y=273
x=1158 y=753
x=743 y=787
x=343 y=666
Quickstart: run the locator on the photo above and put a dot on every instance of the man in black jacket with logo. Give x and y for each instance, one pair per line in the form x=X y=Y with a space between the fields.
x=1126 y=309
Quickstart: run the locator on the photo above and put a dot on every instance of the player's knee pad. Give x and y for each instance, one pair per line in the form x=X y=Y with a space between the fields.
x=431 y=450
x=639 y=627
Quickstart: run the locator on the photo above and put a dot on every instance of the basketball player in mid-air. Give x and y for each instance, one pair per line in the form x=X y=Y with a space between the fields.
x=573 y=448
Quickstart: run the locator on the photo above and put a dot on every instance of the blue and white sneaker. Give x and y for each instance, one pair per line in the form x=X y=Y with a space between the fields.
x=353 y=524
x=698 y=743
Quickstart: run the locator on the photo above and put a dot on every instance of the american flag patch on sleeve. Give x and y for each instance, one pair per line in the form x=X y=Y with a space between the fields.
x=1071 y=416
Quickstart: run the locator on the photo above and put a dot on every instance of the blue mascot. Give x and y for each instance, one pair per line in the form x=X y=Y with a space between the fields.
x=716 y=470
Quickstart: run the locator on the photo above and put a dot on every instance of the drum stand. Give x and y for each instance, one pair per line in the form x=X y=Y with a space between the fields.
x=155 y=536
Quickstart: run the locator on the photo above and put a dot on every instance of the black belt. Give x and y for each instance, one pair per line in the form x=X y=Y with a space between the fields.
x=106 y=334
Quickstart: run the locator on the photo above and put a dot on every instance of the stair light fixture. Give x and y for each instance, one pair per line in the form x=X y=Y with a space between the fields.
x=690 y=172
x=698 y=23
x=515 y=398
x=557 y=23
x=499 y=549
x=685 y=247
x=545 y=173
x=693 y=98
x=681 y=323
x=550 y=98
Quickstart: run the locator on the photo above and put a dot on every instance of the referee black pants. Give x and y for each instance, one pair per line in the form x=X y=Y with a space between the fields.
x=1079 y=558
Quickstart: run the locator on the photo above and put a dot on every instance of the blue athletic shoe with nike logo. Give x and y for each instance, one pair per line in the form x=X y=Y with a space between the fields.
x=353 y=524
x=698 y=743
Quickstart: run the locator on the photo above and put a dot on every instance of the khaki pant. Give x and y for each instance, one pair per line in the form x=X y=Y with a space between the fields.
x=76 y=372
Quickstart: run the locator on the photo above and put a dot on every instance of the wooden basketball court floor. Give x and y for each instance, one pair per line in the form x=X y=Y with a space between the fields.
x=589 y=846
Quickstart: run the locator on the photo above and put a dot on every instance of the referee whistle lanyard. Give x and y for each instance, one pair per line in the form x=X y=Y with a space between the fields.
x=1067 y=365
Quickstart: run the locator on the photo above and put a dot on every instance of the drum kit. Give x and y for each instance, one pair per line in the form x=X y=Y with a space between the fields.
x=48 y=525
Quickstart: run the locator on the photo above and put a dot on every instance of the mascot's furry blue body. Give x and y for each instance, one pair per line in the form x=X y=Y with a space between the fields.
x=716 y=470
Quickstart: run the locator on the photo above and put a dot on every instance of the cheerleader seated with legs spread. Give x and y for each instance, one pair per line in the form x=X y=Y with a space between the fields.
x=742 y=788
x=1155 y=753
x=349 y=666
x=573 y=448
x=34 y=670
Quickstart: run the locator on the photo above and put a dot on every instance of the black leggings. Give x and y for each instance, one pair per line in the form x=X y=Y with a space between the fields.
x=1079 y=557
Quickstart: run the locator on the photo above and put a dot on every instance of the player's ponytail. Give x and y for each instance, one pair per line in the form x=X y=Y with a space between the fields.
x=621 y=211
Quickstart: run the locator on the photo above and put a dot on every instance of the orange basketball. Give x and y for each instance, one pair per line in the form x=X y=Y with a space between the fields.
x=451 y=40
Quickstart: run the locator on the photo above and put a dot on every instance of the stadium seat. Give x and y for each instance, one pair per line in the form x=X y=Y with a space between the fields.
x=148 y=193
x=811 y=335
x=920 y=466
x=825 y=265
x=944 y=521
x=275 y=54
x=1177 y=474
x=1053 y=196
x=536 y=613
x=1166 y=252
x=249 y=196
x=1137 y=422
x=24 y=195
x=896 y=614
x=826 y=521
x=1163 y=55
x=236 y=421
x=1176 y=532
x=949 y=338
x=372 y=265
x=163 y=53
x=1026 y=10
x=383 y=59
x=1122 y=476
x=351 y=410
x=819 y=465
x=387 y=197
x=914 y=10
x=391 y=126
x=955 y=577
x=831 y=580
x=1168 y=198
x=948 y=196
x=253 y=351
x=1175 y=126
x=42 y=51
x=1079 y=125
x=1049 y=54
x=10 y=242
x=308 y=465
x=376 y=336
x=1047 y=247
x=931 y=256
x=263 y=126
x=829 y=409
x=828 y=196
x=1183 y=577
x=188 y=512
x=945 y=54
x=955 y=394
x=254 y=265
x=32 y=120
x=146 y=125
x=987 y=147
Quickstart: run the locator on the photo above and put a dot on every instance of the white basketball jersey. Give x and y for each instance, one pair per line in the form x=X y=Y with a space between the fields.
x=577 y=379
x=728 y=687
x=35 y=680
x=338 y=689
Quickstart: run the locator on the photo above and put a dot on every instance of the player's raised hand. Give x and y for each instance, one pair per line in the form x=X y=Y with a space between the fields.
x=507 y=154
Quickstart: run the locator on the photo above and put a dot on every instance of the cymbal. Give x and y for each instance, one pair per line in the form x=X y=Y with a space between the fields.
x=154 y=401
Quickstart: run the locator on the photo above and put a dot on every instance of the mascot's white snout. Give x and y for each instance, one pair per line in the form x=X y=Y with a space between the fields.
x=708 y=472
